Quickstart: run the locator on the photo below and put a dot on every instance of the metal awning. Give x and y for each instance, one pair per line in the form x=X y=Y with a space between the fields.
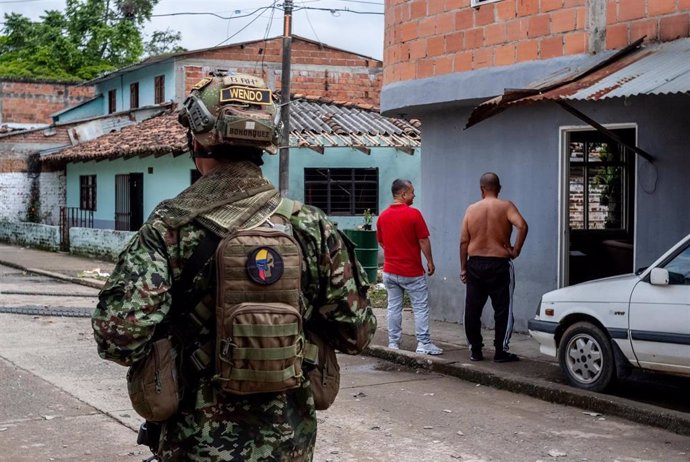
x=655 y=69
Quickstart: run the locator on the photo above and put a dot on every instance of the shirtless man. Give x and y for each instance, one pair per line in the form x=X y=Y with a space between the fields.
x=486 y=256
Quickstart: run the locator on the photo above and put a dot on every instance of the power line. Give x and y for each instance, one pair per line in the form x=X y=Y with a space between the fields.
x=208 y=13
x=248 y=24
x=337 y=10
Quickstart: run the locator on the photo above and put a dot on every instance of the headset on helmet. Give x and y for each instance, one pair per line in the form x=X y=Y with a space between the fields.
x=234 y=109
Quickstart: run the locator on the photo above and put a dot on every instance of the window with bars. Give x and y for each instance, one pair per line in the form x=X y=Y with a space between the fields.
x=87 y=192
x=112 y=101
x=134 y=95
x=599 y=186
x=342 y=191
x=159 y=89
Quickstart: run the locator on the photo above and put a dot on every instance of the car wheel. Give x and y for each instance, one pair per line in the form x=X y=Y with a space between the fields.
x=586 y=357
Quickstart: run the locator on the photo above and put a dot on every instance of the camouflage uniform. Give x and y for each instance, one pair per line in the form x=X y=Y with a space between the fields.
x=215 y=426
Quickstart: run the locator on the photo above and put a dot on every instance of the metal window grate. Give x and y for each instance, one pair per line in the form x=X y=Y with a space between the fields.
x=87 y=192
x=342 y=191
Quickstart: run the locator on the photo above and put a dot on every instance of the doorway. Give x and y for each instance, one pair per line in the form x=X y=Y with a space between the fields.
x=129 y=201
x=598 y=206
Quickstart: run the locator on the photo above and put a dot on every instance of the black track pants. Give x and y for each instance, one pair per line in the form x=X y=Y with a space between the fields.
x=489 y=277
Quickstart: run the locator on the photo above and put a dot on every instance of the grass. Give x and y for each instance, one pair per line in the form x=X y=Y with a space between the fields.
x=379 y=298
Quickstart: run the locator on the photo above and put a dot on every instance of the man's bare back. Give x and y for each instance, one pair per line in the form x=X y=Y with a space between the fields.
x=488 y=227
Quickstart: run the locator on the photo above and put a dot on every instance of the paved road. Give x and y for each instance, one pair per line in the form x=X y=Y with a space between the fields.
x=61 y=402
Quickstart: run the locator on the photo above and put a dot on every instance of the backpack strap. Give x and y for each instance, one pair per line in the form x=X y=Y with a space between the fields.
x=287 y=208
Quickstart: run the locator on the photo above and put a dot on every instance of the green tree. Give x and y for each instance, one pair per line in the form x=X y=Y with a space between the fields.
x=86 y=39
x=162 y=42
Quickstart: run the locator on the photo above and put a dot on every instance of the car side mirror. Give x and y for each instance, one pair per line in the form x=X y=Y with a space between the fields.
x=659 y=277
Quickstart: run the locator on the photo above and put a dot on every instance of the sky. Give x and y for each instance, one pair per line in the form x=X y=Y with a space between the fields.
x=359 y=33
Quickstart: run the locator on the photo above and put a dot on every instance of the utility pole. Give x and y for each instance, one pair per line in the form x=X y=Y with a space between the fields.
x=283 y=184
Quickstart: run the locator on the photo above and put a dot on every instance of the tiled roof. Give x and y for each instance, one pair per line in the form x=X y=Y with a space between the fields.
x=315 y=123
x=156 y=136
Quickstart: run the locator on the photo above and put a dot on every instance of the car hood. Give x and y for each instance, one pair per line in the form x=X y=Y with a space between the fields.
x=613 y=289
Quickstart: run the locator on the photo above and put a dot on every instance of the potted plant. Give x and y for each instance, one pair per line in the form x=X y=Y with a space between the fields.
x=368 y=219
x=366 y=246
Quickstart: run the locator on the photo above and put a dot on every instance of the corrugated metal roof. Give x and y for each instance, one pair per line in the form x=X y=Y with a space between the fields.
x=656 y=69
x=315 y=123
x=660 y=70
x=324 y=123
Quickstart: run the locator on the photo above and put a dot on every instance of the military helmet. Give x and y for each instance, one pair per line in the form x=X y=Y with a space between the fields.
x=233 y=109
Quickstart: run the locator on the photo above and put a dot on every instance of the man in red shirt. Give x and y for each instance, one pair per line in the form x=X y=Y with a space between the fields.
x=402 y=233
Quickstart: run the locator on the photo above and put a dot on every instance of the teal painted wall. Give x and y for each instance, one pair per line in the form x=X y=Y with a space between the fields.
x=392 y=164
x=145 y=77
x=170 y=176
x=92 y=108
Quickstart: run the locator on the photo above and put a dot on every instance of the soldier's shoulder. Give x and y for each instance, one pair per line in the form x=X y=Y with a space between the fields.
x=314 y=221
x=308 y=214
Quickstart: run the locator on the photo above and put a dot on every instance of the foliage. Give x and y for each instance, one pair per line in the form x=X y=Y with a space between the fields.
x=368 y=219
x=164 y=41
x=86 y=39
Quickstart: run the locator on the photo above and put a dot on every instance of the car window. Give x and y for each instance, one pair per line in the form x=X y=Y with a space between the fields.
x=679 y=267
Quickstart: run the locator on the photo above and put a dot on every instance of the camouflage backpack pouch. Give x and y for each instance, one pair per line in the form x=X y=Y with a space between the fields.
x=259 y=326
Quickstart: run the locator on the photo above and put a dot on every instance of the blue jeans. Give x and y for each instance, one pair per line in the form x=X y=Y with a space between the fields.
x=417 y=290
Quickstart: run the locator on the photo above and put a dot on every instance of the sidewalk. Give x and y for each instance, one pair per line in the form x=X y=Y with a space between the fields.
x=534 y=375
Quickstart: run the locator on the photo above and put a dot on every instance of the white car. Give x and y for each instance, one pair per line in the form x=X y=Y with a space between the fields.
x=600 y=329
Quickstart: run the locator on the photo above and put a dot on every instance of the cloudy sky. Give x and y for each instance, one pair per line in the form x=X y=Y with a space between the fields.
x=360 y=33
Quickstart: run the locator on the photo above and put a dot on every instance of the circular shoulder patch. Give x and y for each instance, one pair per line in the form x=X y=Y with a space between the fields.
x=264 y=265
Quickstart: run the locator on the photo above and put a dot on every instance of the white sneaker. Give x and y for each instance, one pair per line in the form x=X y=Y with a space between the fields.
x=393 y=346
x=428 y=349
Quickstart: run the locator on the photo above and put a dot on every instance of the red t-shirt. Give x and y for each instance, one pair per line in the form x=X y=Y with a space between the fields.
x=398 y=230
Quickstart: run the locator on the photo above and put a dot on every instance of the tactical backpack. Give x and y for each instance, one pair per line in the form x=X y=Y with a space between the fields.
x=259 y=327
x=261 y=342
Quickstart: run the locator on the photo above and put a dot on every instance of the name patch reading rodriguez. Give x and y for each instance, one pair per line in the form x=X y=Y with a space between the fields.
x=245 y=95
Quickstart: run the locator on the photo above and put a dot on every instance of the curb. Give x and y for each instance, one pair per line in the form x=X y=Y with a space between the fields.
x=674 y=421
x=93 y=283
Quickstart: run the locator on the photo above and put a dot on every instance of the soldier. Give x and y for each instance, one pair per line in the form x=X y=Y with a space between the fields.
x=231 y=120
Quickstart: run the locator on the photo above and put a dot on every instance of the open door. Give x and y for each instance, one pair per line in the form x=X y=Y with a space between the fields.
x=598 y=207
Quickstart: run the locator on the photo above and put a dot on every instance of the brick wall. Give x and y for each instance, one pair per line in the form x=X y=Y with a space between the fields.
x=426 y=38
x=316 y=70
x=34 y=102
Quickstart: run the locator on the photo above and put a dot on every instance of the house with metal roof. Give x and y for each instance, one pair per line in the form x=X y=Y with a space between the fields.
x=343 y=159
x=579 y=107
x=107 y=166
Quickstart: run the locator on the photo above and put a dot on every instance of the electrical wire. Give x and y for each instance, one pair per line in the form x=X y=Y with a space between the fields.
x=246 y=25
x=337 y=10
x=268 y=31
x=306 y=14
x=207 y=13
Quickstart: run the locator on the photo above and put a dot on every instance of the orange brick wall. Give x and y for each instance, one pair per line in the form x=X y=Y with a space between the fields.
x=426 y=38
x=34 y=102
x=359 y=84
